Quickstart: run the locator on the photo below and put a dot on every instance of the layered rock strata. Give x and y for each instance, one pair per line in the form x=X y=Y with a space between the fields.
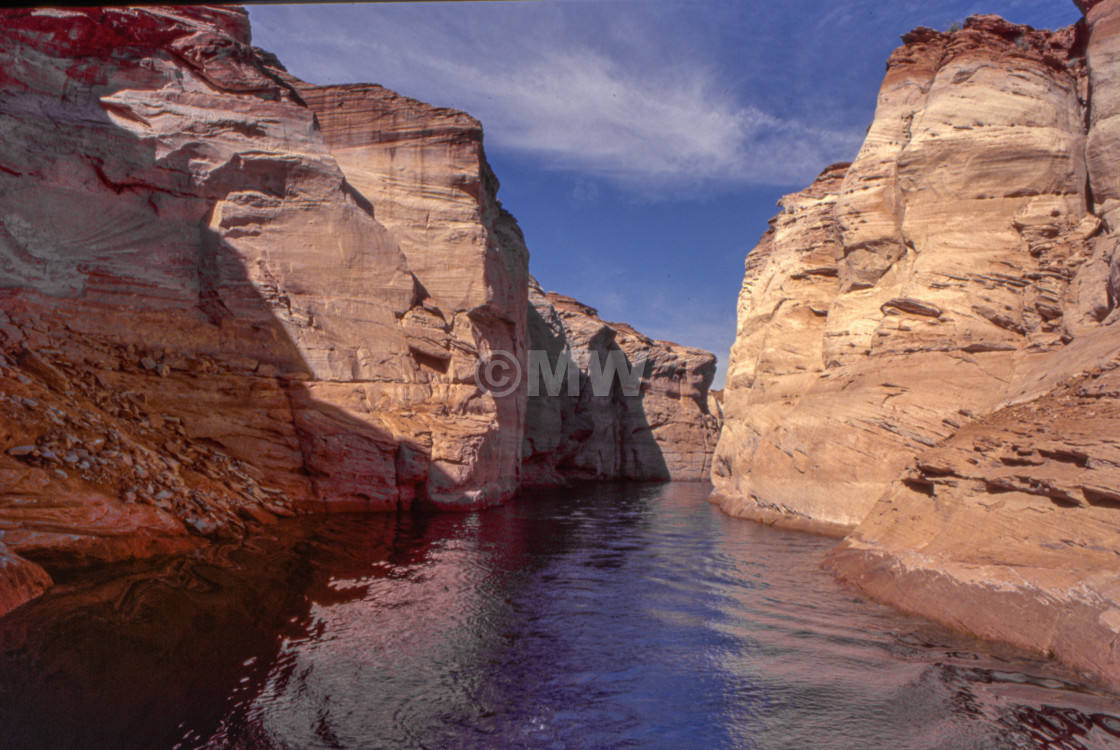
x=203 y=320
x=227 y=295
x=424 y=171
x=660 y=428
x=905 y=288
x=926 y=343
x=1009 y=529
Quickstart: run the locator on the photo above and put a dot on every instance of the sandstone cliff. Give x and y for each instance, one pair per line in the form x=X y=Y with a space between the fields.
x=424 y=171
x=662 y=430
x=228 y=295
x=927 y=338
x=201 y=317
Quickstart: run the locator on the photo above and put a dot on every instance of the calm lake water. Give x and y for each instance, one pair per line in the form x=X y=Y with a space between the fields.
x=610 y=616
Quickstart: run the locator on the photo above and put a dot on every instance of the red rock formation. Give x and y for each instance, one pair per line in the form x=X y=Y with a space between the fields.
x=228 y=295
x=926 y=344
x=203 y=322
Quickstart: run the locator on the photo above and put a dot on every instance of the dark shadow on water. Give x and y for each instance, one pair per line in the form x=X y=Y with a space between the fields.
x=124 y=659
x=148 y=654
x=576 y=618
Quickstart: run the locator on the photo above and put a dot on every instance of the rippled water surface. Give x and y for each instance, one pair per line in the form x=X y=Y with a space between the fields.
x=610 y=616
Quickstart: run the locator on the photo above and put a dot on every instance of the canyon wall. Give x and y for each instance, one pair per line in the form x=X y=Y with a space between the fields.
x=424 y=171
x=661 y=429
x=228 y=295
x=204 y=321
x=927 y=341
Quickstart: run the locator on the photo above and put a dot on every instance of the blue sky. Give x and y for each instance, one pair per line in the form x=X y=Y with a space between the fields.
x=641 y=144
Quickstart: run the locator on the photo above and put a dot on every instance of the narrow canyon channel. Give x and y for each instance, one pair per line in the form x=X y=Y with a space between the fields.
x=613 y=615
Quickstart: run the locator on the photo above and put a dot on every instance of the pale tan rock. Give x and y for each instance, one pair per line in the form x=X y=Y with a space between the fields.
x=894 y=295
x=1008 y=529
x=953 y=409
x=424 y=171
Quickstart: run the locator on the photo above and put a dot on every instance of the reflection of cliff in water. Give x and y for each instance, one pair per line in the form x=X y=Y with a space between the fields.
x=129 y=655
x=574 y=618
x=122 y=660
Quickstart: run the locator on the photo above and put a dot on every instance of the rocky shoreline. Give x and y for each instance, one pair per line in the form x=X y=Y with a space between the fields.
x=926 y=357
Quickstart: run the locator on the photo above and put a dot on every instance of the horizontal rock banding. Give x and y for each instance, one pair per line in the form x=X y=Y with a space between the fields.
x=228 y=295
x=944 y=399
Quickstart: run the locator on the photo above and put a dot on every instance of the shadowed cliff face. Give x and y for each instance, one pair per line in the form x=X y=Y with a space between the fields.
x=927 y=343
x=227 y=295
x=203 y=324
x=663 y=430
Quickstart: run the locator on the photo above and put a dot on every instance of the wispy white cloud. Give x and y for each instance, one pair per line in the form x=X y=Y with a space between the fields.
x=585 y=112
x=626 y=99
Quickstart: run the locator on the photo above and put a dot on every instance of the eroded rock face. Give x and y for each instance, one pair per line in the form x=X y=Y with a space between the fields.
x=926 y=344
x=424 y=171
x=900 y=293
x=203 y=321
x=227 y=295
x=661 y=428
x=1008 y=529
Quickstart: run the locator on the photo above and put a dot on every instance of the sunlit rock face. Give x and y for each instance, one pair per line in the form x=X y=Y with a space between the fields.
x=655 y=426
x=904 y=290
x=228 y=295
x=424 y=171
x=926 y=343
x=1009 y=528
x=204 y=322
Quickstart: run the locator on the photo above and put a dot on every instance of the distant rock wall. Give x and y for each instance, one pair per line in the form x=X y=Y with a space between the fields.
x=927 y=340
x=664 y=430
x=227 y=295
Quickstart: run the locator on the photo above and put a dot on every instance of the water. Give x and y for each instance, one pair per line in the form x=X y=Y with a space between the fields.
x=613 y=616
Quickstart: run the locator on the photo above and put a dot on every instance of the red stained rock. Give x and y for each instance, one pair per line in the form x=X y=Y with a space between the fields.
x=20 y=580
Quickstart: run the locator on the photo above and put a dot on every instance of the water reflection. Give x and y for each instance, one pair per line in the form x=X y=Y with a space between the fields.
x=613 y=616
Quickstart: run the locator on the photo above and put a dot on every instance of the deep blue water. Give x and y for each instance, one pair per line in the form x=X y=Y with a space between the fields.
x=600 y=617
